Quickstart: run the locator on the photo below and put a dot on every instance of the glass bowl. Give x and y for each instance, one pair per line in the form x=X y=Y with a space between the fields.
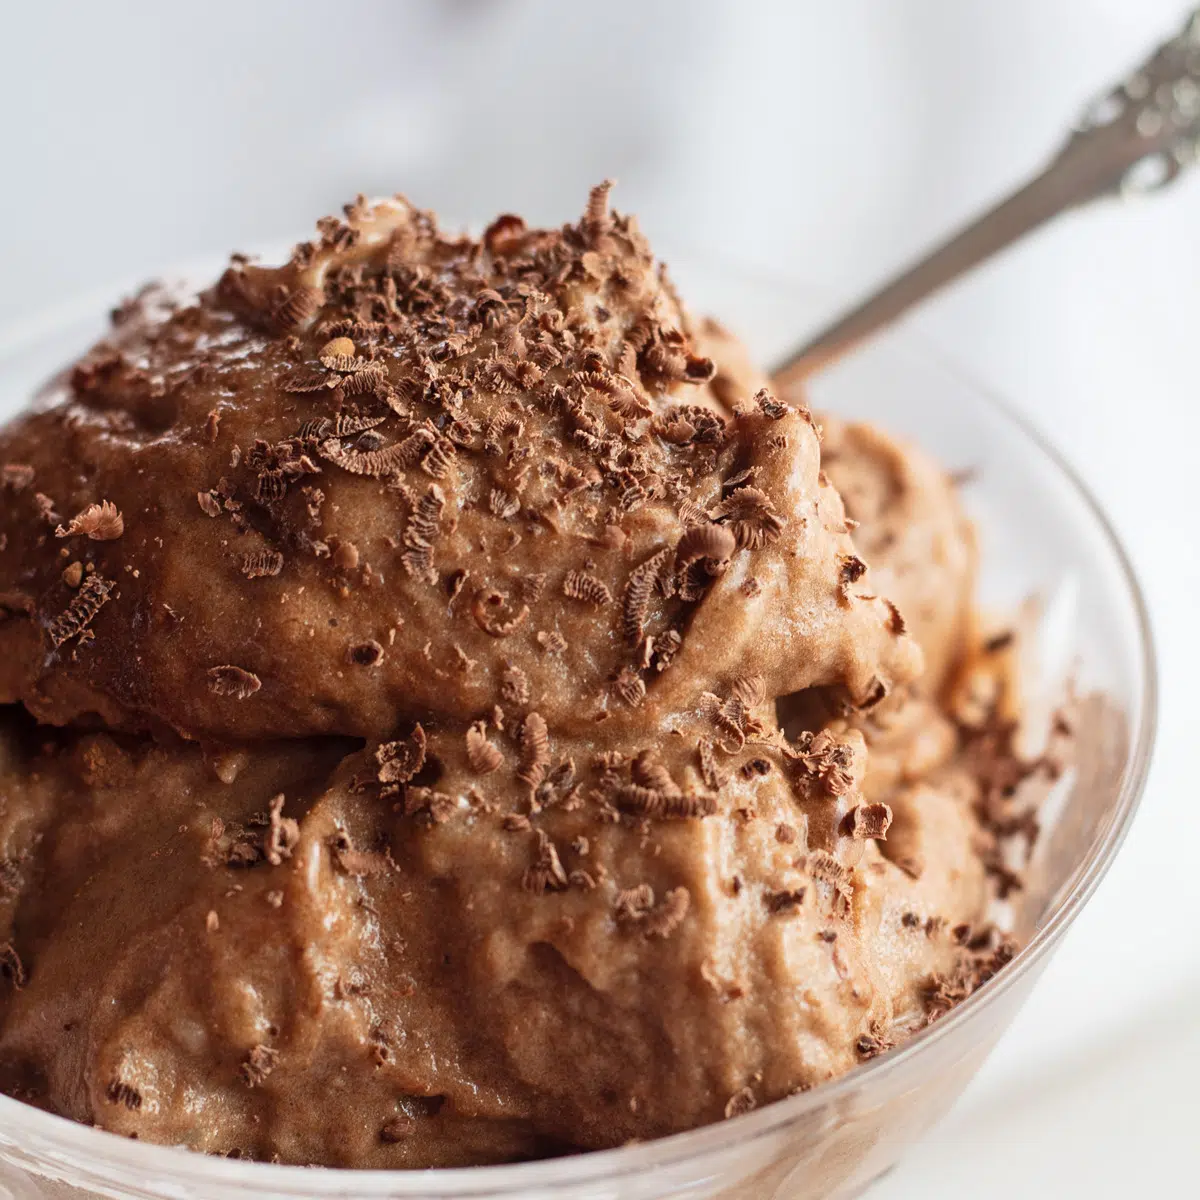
x=1041 y=534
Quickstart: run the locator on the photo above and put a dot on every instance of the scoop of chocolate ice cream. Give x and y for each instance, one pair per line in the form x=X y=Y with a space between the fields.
x=388 y=476
x=445 y=950
x=406 y=625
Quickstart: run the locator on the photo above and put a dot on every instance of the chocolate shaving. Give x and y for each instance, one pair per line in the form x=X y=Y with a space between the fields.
x=551 y=642
x=293 y=308
x=360 y=862
x=503 y=504
x=531 y=587
x=824 y=760
x=784 y=900
x=867 y=821
x=851 y=569
x=82 y=610
x=307 y=379
x=751 y=516
x=617 y=393
x=484 y=756
x=708 y=765
x=632 y=904
x=749 y=690
x=662 y=920
x=262 y=564
x=348 y=423
x=439 y=459
x=740 y=1103
x=665 y=359
x=630 y=687
x=648 y=771
x=404 y=392
x=502 y=425
x=488 y=610
x=233 y=681
x=345 y=556
x=363 y=383
x=771 y=408
x=596 y=219
x=712 y=544
x=546 y=873
x=641 y=801
x=270 y=485
x=826 y=869
x=344 y=364
x=120 y=1092
x=558 y=785
x=514 y=686
x=675 y=428
x=638 y=591
x=351 y=327
x=871 y=1045
x=755 y=768
x=943 y=992
x=399 y=761
x=534 y=741
x=101 y=522
x=421 y=532
x=260 y=1062
x=384 y=461
x=504 y=235
x=209 y=504
x=430 y=807
x=580 y=586
x=283 y=833
x=734 y=714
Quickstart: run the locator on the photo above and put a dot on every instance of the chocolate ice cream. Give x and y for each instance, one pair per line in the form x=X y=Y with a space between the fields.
x=454 y=718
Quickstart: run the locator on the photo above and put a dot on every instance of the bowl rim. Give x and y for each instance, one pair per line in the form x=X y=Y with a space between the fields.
x=111 y=1157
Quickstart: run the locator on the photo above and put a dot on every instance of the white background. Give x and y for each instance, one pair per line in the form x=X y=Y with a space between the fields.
x=828 y=139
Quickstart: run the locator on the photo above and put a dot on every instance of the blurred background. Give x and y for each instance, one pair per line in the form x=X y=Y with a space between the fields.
x=828 y=141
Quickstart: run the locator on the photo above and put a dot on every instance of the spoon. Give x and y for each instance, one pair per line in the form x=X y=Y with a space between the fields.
x=1133 y=140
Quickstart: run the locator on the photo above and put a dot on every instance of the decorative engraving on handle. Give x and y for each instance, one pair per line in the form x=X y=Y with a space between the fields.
x=1148 y=125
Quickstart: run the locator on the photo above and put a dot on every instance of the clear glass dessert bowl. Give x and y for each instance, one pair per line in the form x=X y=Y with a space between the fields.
x=1041 y=535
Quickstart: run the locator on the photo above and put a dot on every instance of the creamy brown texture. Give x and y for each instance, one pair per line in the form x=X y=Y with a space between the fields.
x=913 y=532
x=391 y=968
x=532 y=421
x=437 y=596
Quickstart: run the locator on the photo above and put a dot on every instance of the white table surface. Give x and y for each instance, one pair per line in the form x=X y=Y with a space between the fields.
x=828 y=140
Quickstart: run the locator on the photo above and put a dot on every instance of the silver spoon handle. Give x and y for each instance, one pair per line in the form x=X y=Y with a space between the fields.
x=1136 y=138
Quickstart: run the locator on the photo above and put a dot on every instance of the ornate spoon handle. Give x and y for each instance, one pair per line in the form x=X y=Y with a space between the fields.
x=1136 y=138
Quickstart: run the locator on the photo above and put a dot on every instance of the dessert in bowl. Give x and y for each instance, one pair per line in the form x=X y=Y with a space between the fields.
x=456 y=719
